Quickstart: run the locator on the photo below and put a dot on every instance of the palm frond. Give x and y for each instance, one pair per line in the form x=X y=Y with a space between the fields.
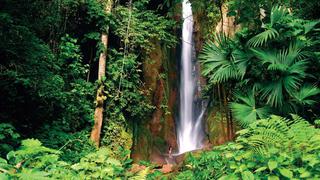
x=273 y=93
x=288 y=68
x=278 y=13
x=266 y=56
x=310 y=25
x=246 y=111
x=241 y=59
x=220 y=61
x=305 y=94
x=262 y=38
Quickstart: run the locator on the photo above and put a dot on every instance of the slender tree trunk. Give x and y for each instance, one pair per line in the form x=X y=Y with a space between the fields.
x=98 y=113
x=226 y=109
x=221 y=113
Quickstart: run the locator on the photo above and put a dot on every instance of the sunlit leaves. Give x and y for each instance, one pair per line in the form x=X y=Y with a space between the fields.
x=269 y=148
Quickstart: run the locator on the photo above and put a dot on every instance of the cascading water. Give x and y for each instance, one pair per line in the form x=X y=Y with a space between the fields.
x=189 y=130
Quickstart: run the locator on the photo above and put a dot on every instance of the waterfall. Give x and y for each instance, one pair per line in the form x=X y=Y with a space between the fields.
x=190 y=128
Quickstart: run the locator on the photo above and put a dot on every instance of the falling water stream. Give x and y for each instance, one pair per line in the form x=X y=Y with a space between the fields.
x=190 y=128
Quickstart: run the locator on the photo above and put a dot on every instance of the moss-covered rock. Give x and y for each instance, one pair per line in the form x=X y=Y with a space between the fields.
x=157 y=132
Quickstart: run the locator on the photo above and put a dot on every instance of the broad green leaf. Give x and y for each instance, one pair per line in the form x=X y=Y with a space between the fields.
x=286 y=172
x=4 y=176
x=247 y=175
x=272 y=165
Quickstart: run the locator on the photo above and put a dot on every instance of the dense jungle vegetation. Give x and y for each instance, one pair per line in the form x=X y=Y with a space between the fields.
x=73 y=95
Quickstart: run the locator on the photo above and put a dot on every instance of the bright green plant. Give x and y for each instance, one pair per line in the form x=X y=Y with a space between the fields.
x=274 y=148
x=34 y=161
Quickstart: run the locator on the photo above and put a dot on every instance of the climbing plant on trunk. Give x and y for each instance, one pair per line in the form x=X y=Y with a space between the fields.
x=98 y=114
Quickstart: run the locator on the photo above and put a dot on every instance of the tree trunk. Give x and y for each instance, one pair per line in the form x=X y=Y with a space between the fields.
x=227 y=113
x=98 y=113
x=221 y=114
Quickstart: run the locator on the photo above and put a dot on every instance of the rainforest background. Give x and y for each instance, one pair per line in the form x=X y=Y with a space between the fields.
x=68 y=65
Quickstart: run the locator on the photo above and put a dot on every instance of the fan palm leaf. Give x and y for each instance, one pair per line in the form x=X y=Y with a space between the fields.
x=304 y=95
x=246 y=111
x=278 y=14
x=310 y=25
x=287 y=69
x=273 y=92
x=263 y=37
x=221 y=61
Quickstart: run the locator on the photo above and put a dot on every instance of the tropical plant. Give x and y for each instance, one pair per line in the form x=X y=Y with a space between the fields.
x=273 y=148
x=34 y=161
x=222 y=61
x=247 y=110
x=274 y=66
x=278 y=15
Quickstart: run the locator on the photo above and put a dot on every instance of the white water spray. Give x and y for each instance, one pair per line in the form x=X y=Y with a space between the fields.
x=190 y=130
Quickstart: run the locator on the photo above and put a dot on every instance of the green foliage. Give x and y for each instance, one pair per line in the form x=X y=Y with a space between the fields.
x=248 y=111
x=274 y=148
x=29 y=152
x=115 y=134
x=99 y=165
x=34 y=161
x=222 y=61
x=42 y=80
x=72 y=146
x=276 y=61
x=9 y=138
x=138 y=29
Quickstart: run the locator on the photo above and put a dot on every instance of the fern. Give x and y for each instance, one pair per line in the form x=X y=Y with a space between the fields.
x=277 y=131
x=265 y=134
